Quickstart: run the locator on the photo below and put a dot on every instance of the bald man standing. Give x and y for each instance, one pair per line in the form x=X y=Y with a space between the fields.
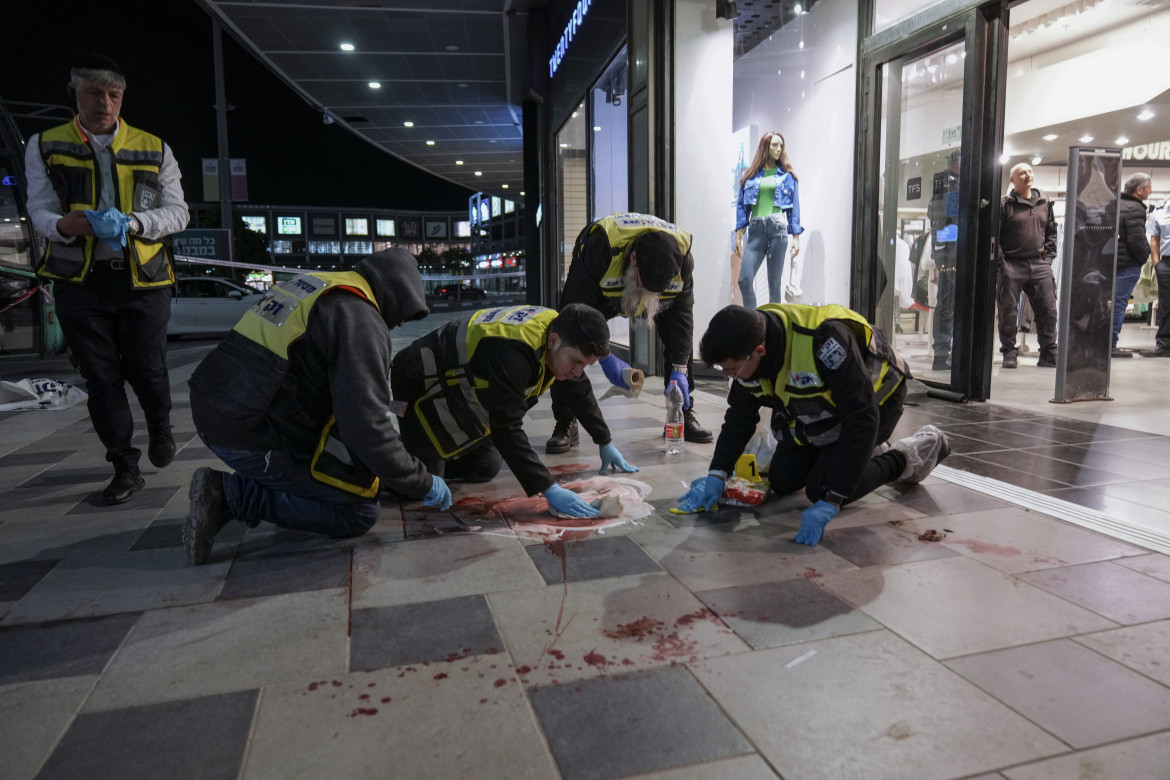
x=1027 y=247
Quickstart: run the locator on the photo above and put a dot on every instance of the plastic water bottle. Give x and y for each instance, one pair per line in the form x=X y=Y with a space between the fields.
x=674 y=420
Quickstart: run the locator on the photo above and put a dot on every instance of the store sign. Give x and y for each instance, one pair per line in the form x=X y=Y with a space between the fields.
x=952 y=135
x=203 y=242
x=914 y=188
x=1154 y=151
x=575 y=20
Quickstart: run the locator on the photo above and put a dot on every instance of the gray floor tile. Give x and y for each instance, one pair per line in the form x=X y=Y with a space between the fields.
x=1145 y=757
x=591 y=559
x=41 y=651
x=202 y=737
x=1144 y=648
x=33 y=716
x=450 y=722
x=67 y=477
x=1071 y=691
x=418 y=633
x=19 y=577
x=270 y=575
x=867 y=706
x=145 y=499
x=941 y=499
x=1118 y=593
x=1155 y=565
x=739 y=768
x=34 y=458
x=227 y=646
x=955 y=606
x=616 y=726
x=781 y=613
x=879 y=545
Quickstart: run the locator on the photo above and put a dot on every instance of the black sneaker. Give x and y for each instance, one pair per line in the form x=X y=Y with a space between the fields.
x=692 y=431
x=125 y=483
x=161 y=450
x=565 y=435
x=1011 y=361
x=941 y=363
x=1155 y=353
x=207 y=513
x=1046 y=362
x=1121 y=353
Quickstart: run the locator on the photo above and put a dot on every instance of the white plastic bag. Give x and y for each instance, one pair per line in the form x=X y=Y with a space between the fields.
x=762 y=444
x=39 y=394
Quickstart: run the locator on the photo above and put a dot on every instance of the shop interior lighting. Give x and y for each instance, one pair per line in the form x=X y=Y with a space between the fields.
x=1003 y=158
x=597 y=128
x=1086 y=139
x=347 y=47
x=430 y=143
x=1036 y=160
x=458 y=162
x=375 y=85
x=1146 y=115
x=505 y=186
x=479 y=173
x=1121 y=141
x=1051 y=137
x=408 y=124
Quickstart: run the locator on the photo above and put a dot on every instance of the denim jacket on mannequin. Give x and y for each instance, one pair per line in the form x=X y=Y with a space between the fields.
x=787 y=198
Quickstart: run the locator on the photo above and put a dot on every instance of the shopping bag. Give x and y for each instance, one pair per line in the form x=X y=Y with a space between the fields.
x=39 y=394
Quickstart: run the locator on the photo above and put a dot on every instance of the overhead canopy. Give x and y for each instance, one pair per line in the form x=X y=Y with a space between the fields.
x=454 y=68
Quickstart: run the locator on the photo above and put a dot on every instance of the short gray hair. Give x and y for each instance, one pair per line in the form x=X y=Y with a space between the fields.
x=103 y=78
x=1136 y=182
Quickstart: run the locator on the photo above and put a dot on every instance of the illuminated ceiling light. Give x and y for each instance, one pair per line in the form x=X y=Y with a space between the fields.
x=1051 y=137
x=574 y=115
x=375 y=85
x=802 y=74
x=347 y=47
x=521 y=192
x=779 y=72
x=479 y=173
x=505 y=186
x=1086 y=139
x=408 y=124
x=458 y=162
x=796 y=8
x=801 y=45
x=1146 y=114
x=1036 y=160
x=1121 y=141
x=430 y=143
x=597 y=128
x=952 y=59
x=1003 y=158
x=564 y=146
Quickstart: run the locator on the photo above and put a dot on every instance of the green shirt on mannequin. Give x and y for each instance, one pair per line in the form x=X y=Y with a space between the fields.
x=766 y=205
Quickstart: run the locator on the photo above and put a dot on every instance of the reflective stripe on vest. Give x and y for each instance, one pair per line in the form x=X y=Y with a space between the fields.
x=807 y=405
x=449 y=410
x=621 y=230
x=276 y=322
x=72 y=166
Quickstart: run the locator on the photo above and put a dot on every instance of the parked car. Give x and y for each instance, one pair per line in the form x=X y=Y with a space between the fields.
x=208 y=304
x=462 y=291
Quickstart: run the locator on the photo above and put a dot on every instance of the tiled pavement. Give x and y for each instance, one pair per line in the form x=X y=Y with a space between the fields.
x=680 y=647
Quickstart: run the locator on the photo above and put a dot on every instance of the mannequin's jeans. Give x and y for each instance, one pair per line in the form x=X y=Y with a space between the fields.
x=767 y=237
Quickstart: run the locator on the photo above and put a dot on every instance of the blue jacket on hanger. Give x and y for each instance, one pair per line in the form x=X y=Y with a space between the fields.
x=787 y=198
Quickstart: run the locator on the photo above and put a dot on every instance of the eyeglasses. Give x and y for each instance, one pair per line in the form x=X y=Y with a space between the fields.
x=735 y=368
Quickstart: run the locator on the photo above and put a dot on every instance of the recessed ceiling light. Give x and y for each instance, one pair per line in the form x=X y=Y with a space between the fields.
x=574 y=115
x=1086 y=139
x=408 y=124
x=375 y=85
x=597 y=128
x=1036 y=160
x=1003 y=158
x=479 y=173
x=452 y=47
x=1051 y=137
x=1146 y=114
x=347 y=47
x=1121 y=141
x=505 y=186
x=458 y=162
x=521 y=192
x=564 y=146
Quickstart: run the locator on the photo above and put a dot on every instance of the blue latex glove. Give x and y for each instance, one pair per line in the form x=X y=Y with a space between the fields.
x=111 y=225
x=681 y=378
x=439 y=494
x=611 y=457
x=613 y=366
x=813 y=521
x=568 y=503
x=704 y=493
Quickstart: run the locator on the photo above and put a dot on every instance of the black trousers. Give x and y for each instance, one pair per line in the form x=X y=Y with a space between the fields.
x=563 y=411
x=1162 y=271
x=118 y=334
x=794 y=467
x=1034 y=277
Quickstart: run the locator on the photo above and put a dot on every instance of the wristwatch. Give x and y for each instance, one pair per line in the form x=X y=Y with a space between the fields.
x=836 y=499
x=135 y=226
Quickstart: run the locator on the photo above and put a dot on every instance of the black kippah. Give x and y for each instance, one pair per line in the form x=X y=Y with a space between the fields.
x=94 y=61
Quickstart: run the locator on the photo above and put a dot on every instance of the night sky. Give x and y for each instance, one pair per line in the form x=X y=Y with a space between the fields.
x=165 y=49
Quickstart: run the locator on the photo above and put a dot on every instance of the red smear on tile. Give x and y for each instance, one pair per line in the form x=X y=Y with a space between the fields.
x=627 y=662
x=336 y=684
x=483 y=701
x=811 y=574
x=557 y=654
x=986 y=548
x=364 y=696
x=638 y=629
x=477 y=555
x=569 y=468
x=312 y=686
x=524 y=670
x=364 y=711
x=500 y=683
x=370 y=685
x=702 y=614
x=385 y=699
x=673 y=646
x=594 y=658
x=441 y=676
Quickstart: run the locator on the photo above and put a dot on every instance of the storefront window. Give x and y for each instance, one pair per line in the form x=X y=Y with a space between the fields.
x=572 y=187
x=609 y=121
x=887 y=13
x=256 y=224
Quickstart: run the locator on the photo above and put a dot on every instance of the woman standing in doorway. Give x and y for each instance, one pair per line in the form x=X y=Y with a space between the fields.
x=768 y=209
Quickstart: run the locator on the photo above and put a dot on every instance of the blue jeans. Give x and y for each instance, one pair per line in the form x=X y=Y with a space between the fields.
x=268 y=485
x=1124 y=283
x=766 y=237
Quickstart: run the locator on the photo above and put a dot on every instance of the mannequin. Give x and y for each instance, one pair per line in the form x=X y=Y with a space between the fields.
x=768 y=222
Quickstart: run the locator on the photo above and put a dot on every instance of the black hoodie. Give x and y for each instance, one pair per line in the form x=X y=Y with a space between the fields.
x=341 y=366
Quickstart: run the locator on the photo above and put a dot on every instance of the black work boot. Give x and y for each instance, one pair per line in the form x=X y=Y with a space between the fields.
x=694 y=432
x=564 y=436
x=126 y=481
x=207 y=513
x=161 y=450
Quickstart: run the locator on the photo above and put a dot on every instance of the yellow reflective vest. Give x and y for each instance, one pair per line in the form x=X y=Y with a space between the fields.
x=807 y=403
x=449 y=409
x=275 y=323
x=137 y=157
x=621 y=230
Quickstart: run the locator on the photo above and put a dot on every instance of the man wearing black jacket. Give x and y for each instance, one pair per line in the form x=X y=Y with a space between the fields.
x=634 y=265
x=469 y=384
x=836 y=390
x=1132 y=249
x=296 y=400
x=1027 y=247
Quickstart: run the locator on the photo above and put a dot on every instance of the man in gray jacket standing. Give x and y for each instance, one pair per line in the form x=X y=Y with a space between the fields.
x=1027 y=247
x=1132 y=248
